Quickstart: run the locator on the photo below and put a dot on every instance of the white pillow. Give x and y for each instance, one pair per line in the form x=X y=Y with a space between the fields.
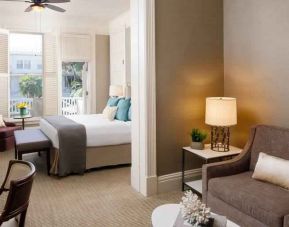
x=109 y=112
x=273 y=170
x=2 y=123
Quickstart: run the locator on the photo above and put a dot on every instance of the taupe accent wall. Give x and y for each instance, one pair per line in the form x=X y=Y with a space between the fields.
x=189 y=64
x=102 y=71
x=256 y=57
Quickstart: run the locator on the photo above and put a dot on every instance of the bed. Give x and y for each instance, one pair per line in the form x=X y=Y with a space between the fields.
x=107 y=142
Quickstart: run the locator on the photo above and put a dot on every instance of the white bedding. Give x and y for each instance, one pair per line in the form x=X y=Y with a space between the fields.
x=99 y=130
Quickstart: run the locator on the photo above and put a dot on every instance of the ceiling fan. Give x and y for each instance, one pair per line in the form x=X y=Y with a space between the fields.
x=40 y=5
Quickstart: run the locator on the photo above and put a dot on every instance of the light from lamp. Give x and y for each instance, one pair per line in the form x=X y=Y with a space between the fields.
x=221 y=111
x=37 y=8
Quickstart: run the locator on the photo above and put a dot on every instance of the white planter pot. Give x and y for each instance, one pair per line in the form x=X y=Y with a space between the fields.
x=197 y=145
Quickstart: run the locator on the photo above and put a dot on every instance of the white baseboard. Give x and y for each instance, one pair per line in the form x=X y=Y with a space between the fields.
x=152 y=183
x=173 y=181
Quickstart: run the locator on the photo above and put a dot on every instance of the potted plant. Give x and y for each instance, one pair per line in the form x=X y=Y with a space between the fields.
x=194 y=212
x=198 y=138
x=22 y=108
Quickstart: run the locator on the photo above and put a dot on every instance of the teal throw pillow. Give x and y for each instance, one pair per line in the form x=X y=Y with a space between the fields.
x=112 y=101
x=122 y=109
x=129 y=113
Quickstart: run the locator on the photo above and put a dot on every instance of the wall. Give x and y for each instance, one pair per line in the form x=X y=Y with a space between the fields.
x=256 y=62
x=102 y=71
x=118 y=50
x=189 y=64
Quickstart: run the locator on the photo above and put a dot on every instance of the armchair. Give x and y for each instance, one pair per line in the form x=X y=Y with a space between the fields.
x=7 y=136
x=230 y=190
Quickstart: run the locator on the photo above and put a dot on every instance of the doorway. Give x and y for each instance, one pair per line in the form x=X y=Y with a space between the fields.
x=74 y=88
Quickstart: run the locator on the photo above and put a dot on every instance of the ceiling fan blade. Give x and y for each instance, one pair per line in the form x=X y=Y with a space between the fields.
x=29 y=9
x=56 y=1
x=56 y=8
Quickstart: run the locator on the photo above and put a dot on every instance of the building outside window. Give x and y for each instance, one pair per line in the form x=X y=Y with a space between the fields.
x=27 y=64
x=19 y=64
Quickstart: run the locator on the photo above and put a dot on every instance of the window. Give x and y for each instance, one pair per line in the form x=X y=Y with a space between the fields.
x=39 y=66
x=27 y=64
x=26 y=81
x=19 y=64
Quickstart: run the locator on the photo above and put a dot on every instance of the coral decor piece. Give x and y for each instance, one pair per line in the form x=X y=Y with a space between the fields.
x=194 y=211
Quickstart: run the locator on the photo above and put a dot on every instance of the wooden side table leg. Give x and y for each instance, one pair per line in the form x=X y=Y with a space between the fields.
x=183 y=169
x=23 y=124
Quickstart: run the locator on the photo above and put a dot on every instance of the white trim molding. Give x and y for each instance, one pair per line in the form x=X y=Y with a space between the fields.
x=144 y=177
x=173 y=181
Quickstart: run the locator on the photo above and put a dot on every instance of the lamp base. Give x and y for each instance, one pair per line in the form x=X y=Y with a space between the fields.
x=220 y=139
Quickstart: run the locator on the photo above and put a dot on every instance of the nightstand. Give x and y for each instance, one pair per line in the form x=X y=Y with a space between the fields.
x=208 y=156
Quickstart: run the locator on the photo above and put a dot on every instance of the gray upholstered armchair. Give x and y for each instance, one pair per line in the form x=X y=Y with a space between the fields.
x=230 y=190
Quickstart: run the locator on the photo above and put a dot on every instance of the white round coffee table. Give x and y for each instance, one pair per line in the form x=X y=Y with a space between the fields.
x=166 y=215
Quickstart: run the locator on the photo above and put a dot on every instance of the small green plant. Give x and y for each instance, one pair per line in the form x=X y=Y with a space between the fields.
x=198 y=135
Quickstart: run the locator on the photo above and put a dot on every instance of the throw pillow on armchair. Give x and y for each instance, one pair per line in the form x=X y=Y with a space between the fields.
x=2 y=123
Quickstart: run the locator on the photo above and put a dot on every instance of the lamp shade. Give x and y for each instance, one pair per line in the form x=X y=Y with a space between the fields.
x=221 y=111
x=115 y=90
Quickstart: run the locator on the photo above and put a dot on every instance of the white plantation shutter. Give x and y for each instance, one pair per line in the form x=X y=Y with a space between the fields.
x=50 y=79
x=4 y=72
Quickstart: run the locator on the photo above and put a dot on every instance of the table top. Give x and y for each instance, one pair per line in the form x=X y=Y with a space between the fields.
x=207 y=153
x=22 y=116
x=166 y=216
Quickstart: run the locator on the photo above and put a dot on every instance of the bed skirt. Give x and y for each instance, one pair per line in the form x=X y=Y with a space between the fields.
x=99 y=156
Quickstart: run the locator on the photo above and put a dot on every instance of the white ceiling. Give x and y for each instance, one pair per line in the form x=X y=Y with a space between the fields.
x=102 y=10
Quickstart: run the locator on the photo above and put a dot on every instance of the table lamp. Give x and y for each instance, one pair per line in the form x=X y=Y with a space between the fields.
x=115 y=90
x=221 y=113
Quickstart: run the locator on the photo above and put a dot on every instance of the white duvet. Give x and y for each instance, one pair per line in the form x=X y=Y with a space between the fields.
x=99 y=130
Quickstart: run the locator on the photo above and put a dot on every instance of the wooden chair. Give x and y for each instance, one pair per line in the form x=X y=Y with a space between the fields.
x=18 y=184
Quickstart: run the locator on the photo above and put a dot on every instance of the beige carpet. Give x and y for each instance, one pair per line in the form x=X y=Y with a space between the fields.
x=100 y=198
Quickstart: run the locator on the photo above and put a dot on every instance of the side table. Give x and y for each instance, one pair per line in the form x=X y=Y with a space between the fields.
x=208 y=156
x=22 y=118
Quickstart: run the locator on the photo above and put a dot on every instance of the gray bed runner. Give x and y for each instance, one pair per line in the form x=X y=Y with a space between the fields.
x=72 y=145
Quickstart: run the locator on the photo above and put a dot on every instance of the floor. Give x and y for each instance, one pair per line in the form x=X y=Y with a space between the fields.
x=101 y=198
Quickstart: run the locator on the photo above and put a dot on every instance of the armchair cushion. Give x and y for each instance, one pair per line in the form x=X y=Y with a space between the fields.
x=245 y=194
x=272 y=170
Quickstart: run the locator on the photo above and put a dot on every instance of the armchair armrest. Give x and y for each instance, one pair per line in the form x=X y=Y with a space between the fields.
x=10 y=124
x=239 y=164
